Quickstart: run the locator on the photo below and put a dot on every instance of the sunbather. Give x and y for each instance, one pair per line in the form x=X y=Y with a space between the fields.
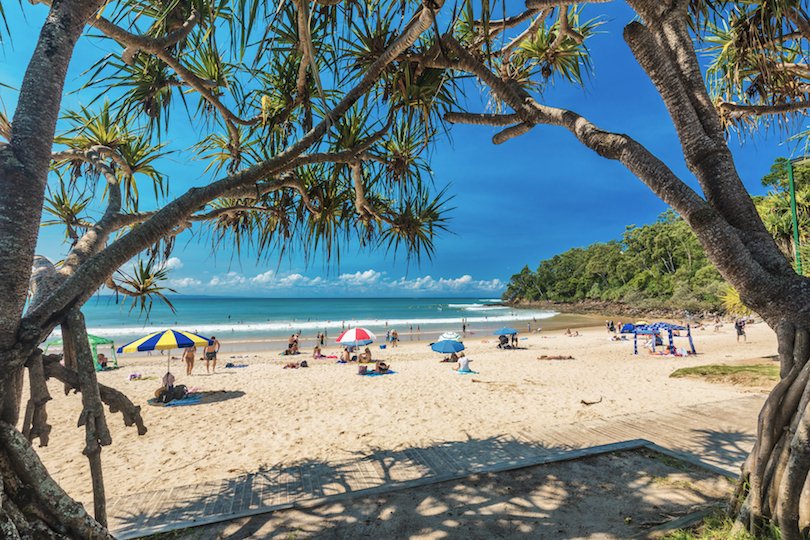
x=381 y=367
x=452 y=358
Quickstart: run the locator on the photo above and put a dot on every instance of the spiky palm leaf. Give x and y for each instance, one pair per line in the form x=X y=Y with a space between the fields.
x=144 y=285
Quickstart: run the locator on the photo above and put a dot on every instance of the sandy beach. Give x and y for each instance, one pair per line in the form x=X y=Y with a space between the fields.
x=328 y=413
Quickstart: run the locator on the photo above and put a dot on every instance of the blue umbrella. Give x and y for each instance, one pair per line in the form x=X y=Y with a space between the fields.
x=447 y=346
x=505 y=332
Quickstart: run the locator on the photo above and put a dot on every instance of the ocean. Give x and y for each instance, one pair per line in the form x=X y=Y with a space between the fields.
x=261 y=319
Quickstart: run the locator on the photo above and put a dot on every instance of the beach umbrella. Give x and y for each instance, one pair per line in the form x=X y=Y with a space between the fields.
x=447 y=346
x=356 y=337
x=505 y=332
x=452 y=336
x=166 y=341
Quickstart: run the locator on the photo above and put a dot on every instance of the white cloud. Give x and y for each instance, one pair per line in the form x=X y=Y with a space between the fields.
x=264 y=277
x=369 y=277
x=462 y=283
x=231 y=279
x=184 y=283
x=370 y=280
x=173 y=263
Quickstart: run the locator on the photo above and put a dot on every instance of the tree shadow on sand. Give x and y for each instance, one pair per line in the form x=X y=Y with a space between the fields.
x=486 y=505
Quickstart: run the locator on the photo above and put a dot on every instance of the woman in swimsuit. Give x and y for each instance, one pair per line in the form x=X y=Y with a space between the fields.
x=188 y=355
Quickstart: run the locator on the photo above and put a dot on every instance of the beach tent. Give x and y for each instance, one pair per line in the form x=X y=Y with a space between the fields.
x=656 y=329
x=628 y=328
x=95 y=343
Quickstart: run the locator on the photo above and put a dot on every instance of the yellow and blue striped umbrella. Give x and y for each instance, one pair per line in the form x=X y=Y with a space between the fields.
x=164 y=341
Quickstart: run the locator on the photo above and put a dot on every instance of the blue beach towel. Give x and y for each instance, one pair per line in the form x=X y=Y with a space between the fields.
x=467 y=372
x=375 y=374
x=230 y=365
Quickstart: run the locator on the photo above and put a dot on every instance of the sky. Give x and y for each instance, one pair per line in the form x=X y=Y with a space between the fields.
x=514 y=204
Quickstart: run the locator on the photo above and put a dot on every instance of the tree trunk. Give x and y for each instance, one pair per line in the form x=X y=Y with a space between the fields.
x=770 y=489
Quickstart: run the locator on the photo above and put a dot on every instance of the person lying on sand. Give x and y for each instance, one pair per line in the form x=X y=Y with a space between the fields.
x=555 y=357
x=452 y=358
x=463 y=363
x=381 y=367
x=296 y=365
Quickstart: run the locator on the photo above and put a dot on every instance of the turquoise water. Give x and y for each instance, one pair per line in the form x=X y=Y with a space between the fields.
x=245 y=319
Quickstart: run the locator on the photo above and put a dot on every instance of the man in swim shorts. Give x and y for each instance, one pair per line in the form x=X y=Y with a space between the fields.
x=211 y=354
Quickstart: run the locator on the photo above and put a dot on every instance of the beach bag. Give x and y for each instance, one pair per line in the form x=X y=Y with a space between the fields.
x=165 y=396
x=362 y=370
x=303 y=363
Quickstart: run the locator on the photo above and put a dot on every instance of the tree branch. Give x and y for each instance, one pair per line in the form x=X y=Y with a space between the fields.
x=707 y=222
x=31 y=470
x=482 y=119
x=508 y=22
x=95 y=271
x=135 y=43
x=116 y=401
x=737 y=110
x=507 y=50
x=511 y=132
x=540 y=4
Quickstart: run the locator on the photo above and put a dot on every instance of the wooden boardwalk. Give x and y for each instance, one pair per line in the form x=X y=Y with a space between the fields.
x=718 y=433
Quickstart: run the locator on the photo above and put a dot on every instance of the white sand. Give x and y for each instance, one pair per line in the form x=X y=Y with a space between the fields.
x=328 y=412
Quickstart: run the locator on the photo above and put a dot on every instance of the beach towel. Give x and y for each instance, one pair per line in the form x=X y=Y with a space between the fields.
x=198 y=398
x=375 y=374
x=466 y=372
x=232 y=365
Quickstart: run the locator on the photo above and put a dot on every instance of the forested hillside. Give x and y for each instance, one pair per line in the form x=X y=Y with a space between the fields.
x=661 y=265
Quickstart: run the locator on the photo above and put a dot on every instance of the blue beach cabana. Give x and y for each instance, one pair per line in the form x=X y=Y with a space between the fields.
x=656 y=329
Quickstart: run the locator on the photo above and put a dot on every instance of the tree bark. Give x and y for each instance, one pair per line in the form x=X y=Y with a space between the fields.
x=92 y=417
x=25 y=160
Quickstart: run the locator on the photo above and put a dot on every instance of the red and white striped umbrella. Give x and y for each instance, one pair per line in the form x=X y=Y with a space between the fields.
x=356 y=337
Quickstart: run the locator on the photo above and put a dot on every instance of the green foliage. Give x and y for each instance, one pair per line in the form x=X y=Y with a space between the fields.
x=658 y=265
x=663 y=264
x=143 y=285
x=732 y=302
x=718 y=526
x=753 y=375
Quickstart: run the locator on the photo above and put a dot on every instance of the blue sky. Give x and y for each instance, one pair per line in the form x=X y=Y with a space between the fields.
x=515 y=204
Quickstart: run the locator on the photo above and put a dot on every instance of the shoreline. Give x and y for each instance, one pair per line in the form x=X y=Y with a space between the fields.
x=559 y=321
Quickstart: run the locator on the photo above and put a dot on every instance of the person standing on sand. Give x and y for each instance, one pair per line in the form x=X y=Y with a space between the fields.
x=188 y=356
x=211 y=354
x=394 y=338
x=739 y=326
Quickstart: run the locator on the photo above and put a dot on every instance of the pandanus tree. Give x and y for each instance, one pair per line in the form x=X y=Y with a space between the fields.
x=312 y=127
x=759 y=75
x=314 y=118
